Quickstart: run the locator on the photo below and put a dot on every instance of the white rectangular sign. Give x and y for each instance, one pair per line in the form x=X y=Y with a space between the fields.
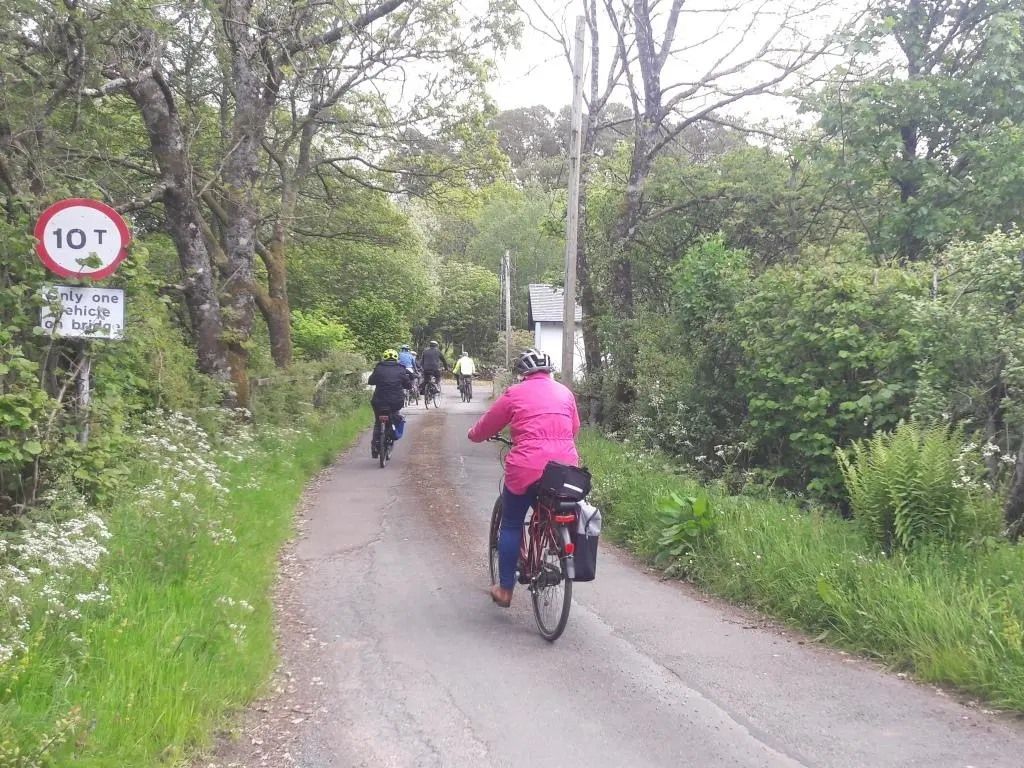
x=84 y=313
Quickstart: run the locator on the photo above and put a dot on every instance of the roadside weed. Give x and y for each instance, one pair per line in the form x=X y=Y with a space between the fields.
x=686 y=523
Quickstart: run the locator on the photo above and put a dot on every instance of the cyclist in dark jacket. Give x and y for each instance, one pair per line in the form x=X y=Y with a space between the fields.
x=390 y=379
x=432 y=362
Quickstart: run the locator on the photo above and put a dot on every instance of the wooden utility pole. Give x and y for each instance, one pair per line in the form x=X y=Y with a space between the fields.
x=506 y=273
x=572 y=219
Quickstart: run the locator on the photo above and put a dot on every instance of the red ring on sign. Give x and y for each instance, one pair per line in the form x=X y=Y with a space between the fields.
x=72 y=202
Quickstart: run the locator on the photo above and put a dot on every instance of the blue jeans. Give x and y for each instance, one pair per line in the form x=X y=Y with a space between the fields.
x=514 y=507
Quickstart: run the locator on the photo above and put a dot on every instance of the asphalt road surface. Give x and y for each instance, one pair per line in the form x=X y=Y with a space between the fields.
x=413 y=666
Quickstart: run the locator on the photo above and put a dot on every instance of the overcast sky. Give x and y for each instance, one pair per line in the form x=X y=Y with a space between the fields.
x=538 y=73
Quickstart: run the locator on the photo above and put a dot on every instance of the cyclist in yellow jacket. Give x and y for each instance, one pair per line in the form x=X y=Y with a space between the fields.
x=464 y=368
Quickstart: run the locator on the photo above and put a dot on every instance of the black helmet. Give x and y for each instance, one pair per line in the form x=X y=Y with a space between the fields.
x=532 y=361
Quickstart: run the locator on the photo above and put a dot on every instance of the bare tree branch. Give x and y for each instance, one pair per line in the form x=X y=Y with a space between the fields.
x=155 y=195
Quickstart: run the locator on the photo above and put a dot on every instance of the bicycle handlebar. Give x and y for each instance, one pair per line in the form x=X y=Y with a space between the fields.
x=500 y=439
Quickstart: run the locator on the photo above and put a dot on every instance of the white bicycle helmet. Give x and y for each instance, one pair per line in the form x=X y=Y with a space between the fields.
x=532 y=361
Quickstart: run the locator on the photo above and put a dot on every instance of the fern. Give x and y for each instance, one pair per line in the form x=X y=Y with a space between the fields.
x=908 y=486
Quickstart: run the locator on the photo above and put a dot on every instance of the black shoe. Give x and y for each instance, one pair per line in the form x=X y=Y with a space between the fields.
x=521 y=576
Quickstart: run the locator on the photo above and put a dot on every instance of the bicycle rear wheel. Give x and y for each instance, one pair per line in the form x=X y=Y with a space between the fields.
x=437 y=400
x=385 y=449
x=551 y=593
x=492 y=540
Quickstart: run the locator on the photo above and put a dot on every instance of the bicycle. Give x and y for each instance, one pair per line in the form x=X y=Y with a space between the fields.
x=431 y=392
x=412 y=395
x=546 y=564
x=384 y=438
x=466 y=389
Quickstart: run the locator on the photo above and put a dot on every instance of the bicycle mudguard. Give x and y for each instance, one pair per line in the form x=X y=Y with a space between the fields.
x=568 y=560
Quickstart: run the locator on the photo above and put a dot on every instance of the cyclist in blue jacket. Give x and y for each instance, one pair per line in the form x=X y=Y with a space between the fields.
x=407 y=358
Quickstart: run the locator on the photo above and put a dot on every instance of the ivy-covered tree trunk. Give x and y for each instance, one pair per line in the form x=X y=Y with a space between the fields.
x=257 y=71
x=184 y=219
x=629 y=218
x=253 y=88
x=588 y=303
x=273 y=300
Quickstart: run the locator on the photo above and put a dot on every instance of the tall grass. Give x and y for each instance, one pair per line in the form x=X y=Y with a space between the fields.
x=949 y=614
x=185 y=633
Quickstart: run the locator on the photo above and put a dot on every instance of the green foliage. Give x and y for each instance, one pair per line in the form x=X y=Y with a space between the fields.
x=827 y=359
x=308 y=387
x=316 y=335
x=772 y=202
x=971 y=337
x=926 y=148
x=377 y=325
x=687 y=522
x=152 y=367
x=176 y=625
x=36 y=750
x=517 y=221
x=24 y=408
x=467 y=314
x=688 y=401
x=917 y=485
x=952 y=614
x=390 y=268
x=495 y=354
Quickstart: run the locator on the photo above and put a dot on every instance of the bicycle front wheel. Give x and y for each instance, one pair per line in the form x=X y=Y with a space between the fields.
x=437 y=400
x=552 y=594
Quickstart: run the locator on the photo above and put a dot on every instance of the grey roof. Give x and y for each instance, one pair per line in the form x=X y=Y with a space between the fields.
x=547 y=303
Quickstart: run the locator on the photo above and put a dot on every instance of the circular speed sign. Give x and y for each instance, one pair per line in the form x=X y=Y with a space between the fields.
x=82 y=239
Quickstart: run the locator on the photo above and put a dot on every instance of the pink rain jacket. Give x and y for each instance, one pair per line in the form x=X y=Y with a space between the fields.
x=543 y=419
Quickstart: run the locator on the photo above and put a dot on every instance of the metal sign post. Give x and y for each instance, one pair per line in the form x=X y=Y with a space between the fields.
x=83 y=390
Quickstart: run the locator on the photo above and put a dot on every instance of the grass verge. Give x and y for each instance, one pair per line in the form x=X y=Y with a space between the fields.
x=176 y=624
x=950 y=615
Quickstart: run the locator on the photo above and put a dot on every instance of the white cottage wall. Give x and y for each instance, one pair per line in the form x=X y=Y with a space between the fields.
x=547 y=337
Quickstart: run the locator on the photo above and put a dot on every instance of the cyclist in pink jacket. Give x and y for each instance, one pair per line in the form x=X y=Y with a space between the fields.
x=543 y=419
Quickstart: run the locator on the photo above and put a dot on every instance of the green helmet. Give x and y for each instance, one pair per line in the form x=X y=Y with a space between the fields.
x=389 y=354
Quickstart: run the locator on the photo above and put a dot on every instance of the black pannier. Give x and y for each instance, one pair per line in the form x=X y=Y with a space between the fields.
x=585 y=535
x=565 y=481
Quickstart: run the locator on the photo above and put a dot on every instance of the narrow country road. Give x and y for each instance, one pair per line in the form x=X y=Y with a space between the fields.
x=394 y=656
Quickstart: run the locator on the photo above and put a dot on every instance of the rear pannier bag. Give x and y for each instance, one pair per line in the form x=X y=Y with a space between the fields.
x=585 y=536
x=565 y=481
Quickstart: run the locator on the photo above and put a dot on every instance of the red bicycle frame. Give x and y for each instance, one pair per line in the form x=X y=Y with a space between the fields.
x=548 y=529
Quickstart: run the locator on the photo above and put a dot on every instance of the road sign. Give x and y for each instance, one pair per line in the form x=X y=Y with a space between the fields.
x=82 y=238
x=73 y=312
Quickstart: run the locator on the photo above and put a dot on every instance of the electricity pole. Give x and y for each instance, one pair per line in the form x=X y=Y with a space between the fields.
x=506 y=273
x=572 y=218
